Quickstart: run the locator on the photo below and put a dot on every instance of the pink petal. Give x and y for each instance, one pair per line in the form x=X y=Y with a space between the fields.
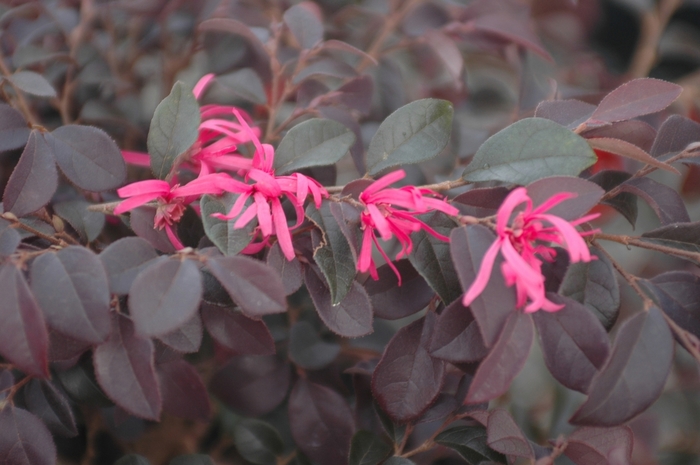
x=387 y=260
x=365 y=260
x=246 y=217
x=383 y=182
x=150 y=186
x=484 y=274
x=202 y=84
x=134 y=202
x=238 y=205
x=515 y=198
x=282 y=230
x=522 y=269
x=380 y=222
x=553 y=201
x=302 y=187
x=578 y=250
x=136 y=158
x=264 y=214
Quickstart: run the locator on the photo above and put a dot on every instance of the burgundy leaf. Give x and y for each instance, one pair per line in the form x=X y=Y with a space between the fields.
x=600 y=446
x=447 y=51
x=164 y=296
x=187 y=338
x=255 y=286
x=322 y=423
x=624 y=202
x=514 y=29
x=125 y=370
x=588 y=195
x=141 y=221
x=7 y=380
x=678 y=295
x=481 y=202
x=51 y=406
x=88 y=157
x=574 y=343
x=357 y=94
x=346 y=47
x=391 y=301
x=627 y=150
x=346 y=118
x=407 y=379
x=9 y=238
x=290 y=272
x=352 y=317
x=505 y=436
x=123 y=259
x=24 y=439
x=569 y=113
x=63 y=348
x=252 y=385
x=456 y=337
x=24 y=339
x=634 y=375
x=308 y=350
x=636 y=98
x=674 y=136
x=14 y=130
x=666 y=202
x=184 y=394
x=504 y=362
x=77 y=276
x=451 y=397
x=635 y=132
x=492 y=307
x=305 y=23
x=34 y=179
x=241 y=334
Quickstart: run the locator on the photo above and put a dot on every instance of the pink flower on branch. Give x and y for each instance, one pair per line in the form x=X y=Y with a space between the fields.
x=267 y=193
x=218 y=138
x=392 y=213
x=172 y=200
x=522 y=243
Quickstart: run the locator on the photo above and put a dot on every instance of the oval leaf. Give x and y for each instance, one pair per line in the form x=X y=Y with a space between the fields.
x=505 y=436
x=470 y=443
x=125 y=370
x=492 y=307
x=636 y=98
x=308 y=350
x=507 y=357
x=305 y=22
x=391 y=301
x=184 y=394
x=164 y=296
x=235 y=331
x=252 y=385
x=49 y=404
x=594 y=446
x=14 y=130
x=315 y=142
x=245 y=83
x=666 y=202
x=77 y=276
x=634 y=375
x=24 y=440
x=187 y=338
x=229 y=240
x=124 y=259
x=407 y=379
x=322 y=423
x=174 y=129
x=290 y=271
x=24 y=339
x=252 y=284
x=34 y=179
x=87 y=223
x=32 y=83
x=588 y=195
x=366 y=448
x=414 y=133
x=627 y=150
x=257 y=442
x=457 y=337
x=574 y=343
x=528 y=150
x=352 y=317
x=88 y=157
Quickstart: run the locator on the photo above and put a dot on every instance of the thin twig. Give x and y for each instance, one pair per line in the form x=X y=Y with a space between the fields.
x=18 y=224
x=653 y=23
x=637 y=242
x=21 y=101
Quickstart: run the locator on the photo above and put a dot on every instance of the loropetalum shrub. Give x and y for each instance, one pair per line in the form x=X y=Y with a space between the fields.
x=382 y=320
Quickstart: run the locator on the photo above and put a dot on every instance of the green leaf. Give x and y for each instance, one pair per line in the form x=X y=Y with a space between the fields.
x=257 y=441
x=87 y=223
x=531 y=149
x=174 y=129
x=367 y=448
x=332 y=252
x=246 y=84
x=414 y=133
x=431 y=258
x=222 y=233
x=316 y=142
x=32 y=83
x=470 y=443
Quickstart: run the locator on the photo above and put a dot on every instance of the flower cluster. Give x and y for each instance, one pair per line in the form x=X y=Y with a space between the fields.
x=216 y=149
x=523 y=241
x=392 y=212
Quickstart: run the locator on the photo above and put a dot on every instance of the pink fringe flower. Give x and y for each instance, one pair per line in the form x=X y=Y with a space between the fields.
x=172 y=200
x=218 y=138
x=524 y=242
x=392 y=212
x=267 y=192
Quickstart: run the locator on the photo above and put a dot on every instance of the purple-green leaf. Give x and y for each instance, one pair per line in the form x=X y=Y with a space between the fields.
x=237 y=332
x=636 y=98
x=24 y=439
